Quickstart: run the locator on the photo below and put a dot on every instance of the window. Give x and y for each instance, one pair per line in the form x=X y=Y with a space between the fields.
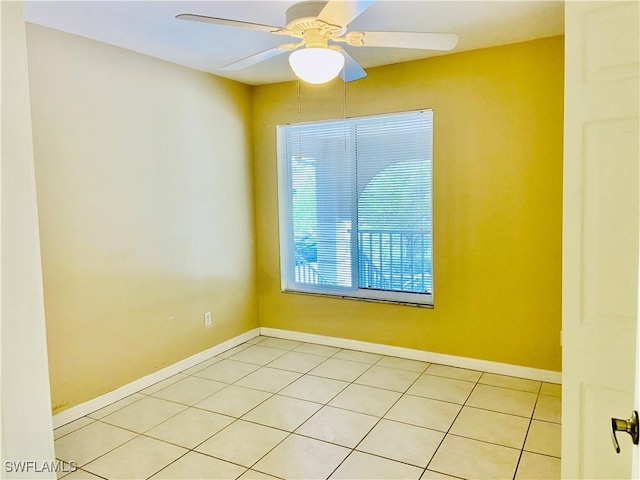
x=355 y=207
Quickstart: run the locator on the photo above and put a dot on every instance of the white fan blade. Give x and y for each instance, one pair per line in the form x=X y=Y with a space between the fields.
x=226 y=21
x=351 y=70
x=253 y=59
x=425 y=41
x=342 y=13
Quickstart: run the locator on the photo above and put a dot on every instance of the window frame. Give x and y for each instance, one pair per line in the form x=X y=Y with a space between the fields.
x=287 y=238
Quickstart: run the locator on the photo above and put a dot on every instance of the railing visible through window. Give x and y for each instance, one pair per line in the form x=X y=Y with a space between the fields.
x=394 y=260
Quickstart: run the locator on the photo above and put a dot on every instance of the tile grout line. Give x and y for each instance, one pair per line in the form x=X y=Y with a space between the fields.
x=256 y=406
x=354 y=449
x=171 y=463
x=83 y=467
x=139 y=434
x=524 y=441
x=451 y=425
x=352 y=382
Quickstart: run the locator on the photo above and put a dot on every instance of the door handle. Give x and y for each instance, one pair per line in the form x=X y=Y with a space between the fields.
x=630 y=426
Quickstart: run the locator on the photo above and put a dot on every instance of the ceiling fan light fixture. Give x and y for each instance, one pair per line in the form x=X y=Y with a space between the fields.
x=316 y=65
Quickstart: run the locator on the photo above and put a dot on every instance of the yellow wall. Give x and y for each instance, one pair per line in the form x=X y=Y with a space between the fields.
x=498 y=117
x=144 y=182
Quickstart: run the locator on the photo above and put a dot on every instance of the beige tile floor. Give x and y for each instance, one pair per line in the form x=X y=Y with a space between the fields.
x=274 y=408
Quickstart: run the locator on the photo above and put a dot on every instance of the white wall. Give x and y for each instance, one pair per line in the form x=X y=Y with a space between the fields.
x=26 y=404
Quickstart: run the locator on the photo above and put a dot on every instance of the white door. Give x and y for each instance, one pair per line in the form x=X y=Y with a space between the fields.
x=600 y=235
x=636 y=448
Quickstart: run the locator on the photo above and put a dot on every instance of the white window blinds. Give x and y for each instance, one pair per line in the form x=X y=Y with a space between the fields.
x=355 y=207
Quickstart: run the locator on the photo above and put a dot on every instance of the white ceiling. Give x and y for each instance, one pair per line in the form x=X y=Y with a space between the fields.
x=149 y=27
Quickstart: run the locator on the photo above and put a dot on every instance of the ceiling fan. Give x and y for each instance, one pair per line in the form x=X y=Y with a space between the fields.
x=320 y=27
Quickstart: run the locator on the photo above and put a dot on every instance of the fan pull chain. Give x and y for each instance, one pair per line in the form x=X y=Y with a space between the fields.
x=344 y=100
x=344 y=111
x=300 y=156
x=298 y=91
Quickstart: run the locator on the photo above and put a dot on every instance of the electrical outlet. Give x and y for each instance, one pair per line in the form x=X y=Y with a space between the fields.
x=207 y=319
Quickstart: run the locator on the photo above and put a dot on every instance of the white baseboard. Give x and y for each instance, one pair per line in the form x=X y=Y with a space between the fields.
x=431 y=357
x=94 y=404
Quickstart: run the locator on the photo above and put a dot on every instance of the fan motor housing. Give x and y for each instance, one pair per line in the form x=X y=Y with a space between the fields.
x=303 y=17
x=303 y=12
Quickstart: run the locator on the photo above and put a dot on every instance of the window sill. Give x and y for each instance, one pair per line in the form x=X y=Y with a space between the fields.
x=362 y=299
